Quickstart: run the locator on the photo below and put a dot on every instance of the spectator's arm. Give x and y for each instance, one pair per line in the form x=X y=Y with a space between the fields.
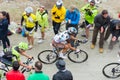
x=77 y=19
x=22 y=19
x=97 y=24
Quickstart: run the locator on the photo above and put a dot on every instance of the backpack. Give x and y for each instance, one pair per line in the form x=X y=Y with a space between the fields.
x=8 y=54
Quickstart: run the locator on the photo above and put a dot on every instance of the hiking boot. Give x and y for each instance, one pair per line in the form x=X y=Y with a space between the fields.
x=92 y=46
x=101 y=50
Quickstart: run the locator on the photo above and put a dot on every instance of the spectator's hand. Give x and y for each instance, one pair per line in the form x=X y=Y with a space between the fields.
x=69 y=21
x=35 y=30
x=54 y=13
x=114 y=38
x=90 y=13
x=102 y=29
x=57 y=17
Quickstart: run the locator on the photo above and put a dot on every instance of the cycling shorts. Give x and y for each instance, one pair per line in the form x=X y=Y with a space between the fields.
x=29 y=31
x=58 y=45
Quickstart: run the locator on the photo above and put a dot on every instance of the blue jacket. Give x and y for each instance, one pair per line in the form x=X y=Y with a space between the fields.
x=3 y=27
x=73 y=16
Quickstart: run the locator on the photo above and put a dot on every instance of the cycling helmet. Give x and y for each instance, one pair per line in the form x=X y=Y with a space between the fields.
x=72 y=30
x=29 y=10
x=59 y=3
x=23 y=45
x=60 y=64
x=64 y=36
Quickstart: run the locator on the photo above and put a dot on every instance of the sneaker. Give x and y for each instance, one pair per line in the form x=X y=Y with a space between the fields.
x=83 y=35
x=77 y=50
x=61 y=55
x=30 y=47
x=92 y=46
x=101 y=50
x=85 y=40
x=40 y=41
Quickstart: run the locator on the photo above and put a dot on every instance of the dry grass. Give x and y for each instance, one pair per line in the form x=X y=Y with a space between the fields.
x=16 y=7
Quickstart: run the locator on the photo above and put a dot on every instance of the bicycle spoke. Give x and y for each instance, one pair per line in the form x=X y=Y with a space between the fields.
x=112 y=70
x=47 y=56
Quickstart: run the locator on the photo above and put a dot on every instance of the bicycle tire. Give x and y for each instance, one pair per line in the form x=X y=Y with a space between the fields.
x=52 y=56
x=81 y=55
x=109 y=75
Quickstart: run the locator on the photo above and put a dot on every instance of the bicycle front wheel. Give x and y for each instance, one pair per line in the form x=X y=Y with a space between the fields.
x=78 y=57
x=112 y=70
x=47 y=56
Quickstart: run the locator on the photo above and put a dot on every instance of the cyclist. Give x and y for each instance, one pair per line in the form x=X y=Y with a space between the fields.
x=30 y=24
x=9 y=55
x=62 y=40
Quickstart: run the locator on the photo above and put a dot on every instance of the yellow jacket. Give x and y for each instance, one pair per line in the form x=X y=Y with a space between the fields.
x=29 y=21
x=58 y=12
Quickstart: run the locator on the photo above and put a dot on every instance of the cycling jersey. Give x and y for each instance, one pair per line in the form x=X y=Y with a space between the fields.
x=16 y=53
x=29 y=21
x=14 y=75
x=61 y=37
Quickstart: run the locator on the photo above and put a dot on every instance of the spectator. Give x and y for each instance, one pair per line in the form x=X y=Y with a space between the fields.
x=101 y=22
x=113 y=29
x=89 y=11
x=42 y=18
x=58 y=15
x=38 y=75
x=72 y=18
x=15 y=74
x=4 y=22
x=62 y=74
x=30 y=25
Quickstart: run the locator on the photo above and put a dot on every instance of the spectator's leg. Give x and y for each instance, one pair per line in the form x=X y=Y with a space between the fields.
x=107 y=34
x=94 y=37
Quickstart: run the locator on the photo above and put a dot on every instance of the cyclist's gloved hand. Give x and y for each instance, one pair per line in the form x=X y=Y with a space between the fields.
x=57 y=17
x=29 y=67
x=30 y=57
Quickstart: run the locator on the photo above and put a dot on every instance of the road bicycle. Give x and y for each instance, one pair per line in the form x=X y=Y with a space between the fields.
x=5 y=66
x=50 y=56
x=112 y=70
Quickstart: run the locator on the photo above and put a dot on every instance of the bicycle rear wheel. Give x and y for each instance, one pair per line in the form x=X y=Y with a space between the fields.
x=111 y=70
x=47 y=56
x=78 y=57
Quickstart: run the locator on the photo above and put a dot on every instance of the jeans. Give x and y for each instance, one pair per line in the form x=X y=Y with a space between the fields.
x=5 y=42
x=94 y=37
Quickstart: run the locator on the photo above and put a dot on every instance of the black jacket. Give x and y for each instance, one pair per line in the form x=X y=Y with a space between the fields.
x=101 y=21
x=63 y=75
x=113 y=30
x=3 y=28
